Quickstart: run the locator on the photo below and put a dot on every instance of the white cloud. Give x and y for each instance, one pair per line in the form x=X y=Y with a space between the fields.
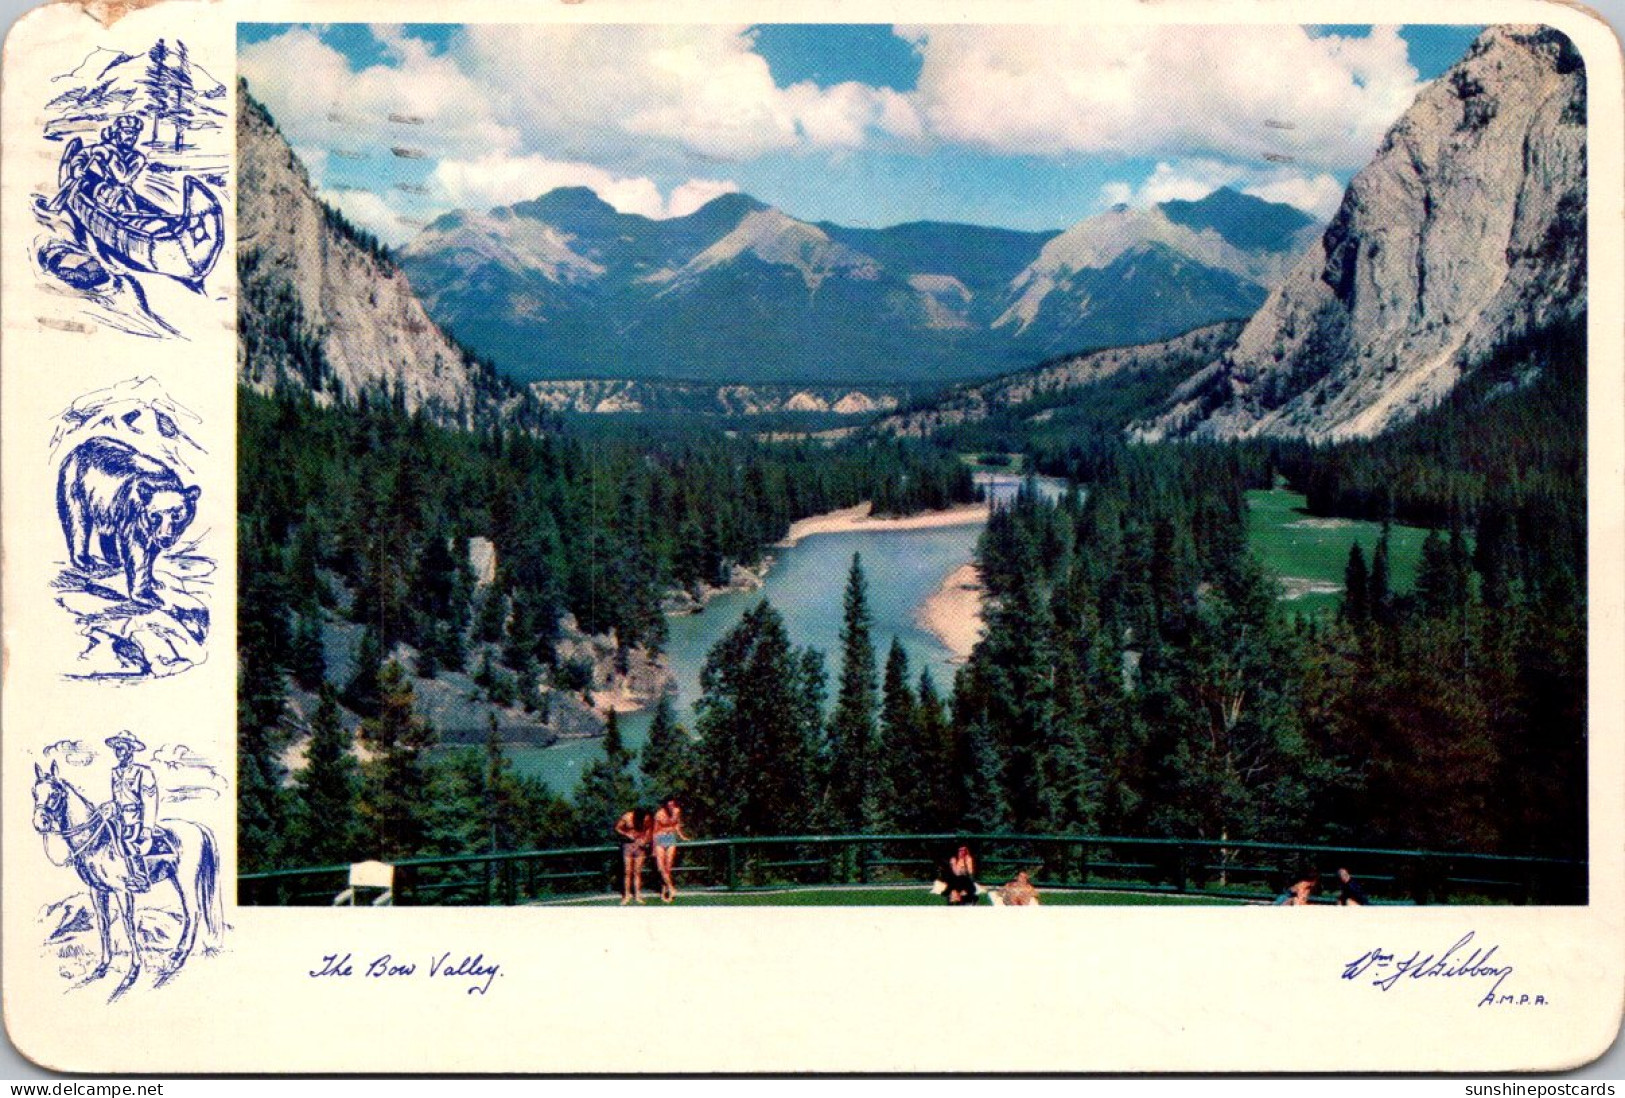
x=373 y=212
x=318 y=101
x=508 y=112
x=1234 y=92
x=498 y=180
x=1194 y=179
x=703 y=90
x=690 y=196
x=1320 y=195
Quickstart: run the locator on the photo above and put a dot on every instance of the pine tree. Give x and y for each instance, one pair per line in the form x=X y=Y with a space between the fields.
x=327 y=789
x=670 y=757
x=755 y=767
x=1356 y=588
x=309 y=658
x=901 y=757
x=614 y=748
x=1380 y=599
x=853 y=785
x=985 y=806
x=396 y=800
x=1435 y=582
x=493 y=615
x=939 y=801
x=362 y=693
x=503 y=797
x=261 y=808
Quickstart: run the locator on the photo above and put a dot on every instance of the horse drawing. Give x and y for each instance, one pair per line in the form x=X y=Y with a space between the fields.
x=84 y=835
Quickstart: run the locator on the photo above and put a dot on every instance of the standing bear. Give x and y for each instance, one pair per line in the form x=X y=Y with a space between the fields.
x=121 y=508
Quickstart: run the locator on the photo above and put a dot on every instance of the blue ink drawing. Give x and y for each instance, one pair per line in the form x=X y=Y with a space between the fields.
x=137 y=206
x=131 y=581
x=123 y=852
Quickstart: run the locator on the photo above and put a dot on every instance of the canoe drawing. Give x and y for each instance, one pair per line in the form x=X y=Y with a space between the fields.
x=184 y=246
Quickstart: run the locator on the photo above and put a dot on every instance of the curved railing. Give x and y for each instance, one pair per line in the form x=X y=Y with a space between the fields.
x=1177 y=867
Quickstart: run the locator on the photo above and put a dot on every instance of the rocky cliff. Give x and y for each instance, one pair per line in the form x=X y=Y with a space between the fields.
x=1466 y=230
x=322 y=305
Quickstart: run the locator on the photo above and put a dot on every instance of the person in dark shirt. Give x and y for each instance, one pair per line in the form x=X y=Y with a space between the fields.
x=961 y=878
x=1351 y=892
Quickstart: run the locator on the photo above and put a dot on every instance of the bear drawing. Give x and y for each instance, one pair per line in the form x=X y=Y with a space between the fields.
x=120 y=509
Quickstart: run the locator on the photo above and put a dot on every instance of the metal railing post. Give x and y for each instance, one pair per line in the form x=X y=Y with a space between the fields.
x=733 y=867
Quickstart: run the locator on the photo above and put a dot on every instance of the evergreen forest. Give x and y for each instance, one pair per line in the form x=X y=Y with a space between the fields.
x=1139 y=674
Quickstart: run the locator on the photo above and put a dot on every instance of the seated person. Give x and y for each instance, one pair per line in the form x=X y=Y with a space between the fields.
x=1020 y=892
x=961 y=878
x=1352 y=895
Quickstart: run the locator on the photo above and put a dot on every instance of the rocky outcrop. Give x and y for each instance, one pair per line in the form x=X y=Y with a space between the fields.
x=1466 y=231
x=311 y=270
x=620 y=681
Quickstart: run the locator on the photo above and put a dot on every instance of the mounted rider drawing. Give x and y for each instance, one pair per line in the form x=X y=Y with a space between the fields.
x=135 y=800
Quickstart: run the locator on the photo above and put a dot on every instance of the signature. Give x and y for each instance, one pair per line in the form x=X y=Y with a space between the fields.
x=1384 y=970
x=474 y=970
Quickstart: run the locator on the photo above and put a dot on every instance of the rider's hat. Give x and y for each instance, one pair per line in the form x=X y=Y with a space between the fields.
x=126 y=738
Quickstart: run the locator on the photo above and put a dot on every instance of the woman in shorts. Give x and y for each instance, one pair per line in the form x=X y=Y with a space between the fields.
x=636 y=829
x=668 y=828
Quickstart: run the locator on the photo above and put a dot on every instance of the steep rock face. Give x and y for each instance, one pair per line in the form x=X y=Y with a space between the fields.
x=373 y=331
x=1467 y=229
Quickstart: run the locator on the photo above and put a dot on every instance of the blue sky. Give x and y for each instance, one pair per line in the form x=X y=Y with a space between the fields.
x=859 y=124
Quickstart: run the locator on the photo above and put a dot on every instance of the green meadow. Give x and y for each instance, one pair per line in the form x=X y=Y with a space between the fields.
x=1309 y=554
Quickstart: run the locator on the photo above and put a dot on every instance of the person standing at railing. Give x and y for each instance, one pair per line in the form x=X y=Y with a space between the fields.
x=636 y=828
x=668 y=828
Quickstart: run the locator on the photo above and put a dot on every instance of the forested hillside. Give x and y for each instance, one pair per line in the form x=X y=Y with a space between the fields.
x=365 y=515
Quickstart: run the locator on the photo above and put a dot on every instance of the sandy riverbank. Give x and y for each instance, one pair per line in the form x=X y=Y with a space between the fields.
x=953 y=613
x=855 y=519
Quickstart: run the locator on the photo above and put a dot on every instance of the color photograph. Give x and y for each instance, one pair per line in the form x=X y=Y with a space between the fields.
x=911 y=465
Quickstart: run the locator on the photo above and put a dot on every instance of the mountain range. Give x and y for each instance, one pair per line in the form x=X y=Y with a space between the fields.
x=1464 y=235
x=1463 y=238
x=565 y=286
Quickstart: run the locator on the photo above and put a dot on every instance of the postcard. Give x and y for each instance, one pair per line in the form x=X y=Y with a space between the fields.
x=587 y=538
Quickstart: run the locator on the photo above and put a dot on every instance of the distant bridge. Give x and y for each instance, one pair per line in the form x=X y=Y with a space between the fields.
x=1190 y=868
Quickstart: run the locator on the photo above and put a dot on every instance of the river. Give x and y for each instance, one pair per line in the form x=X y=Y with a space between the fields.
x=805 y=584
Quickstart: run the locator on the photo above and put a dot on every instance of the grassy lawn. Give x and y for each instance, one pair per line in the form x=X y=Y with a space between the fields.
x=1309 y=553
x=886 y=896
